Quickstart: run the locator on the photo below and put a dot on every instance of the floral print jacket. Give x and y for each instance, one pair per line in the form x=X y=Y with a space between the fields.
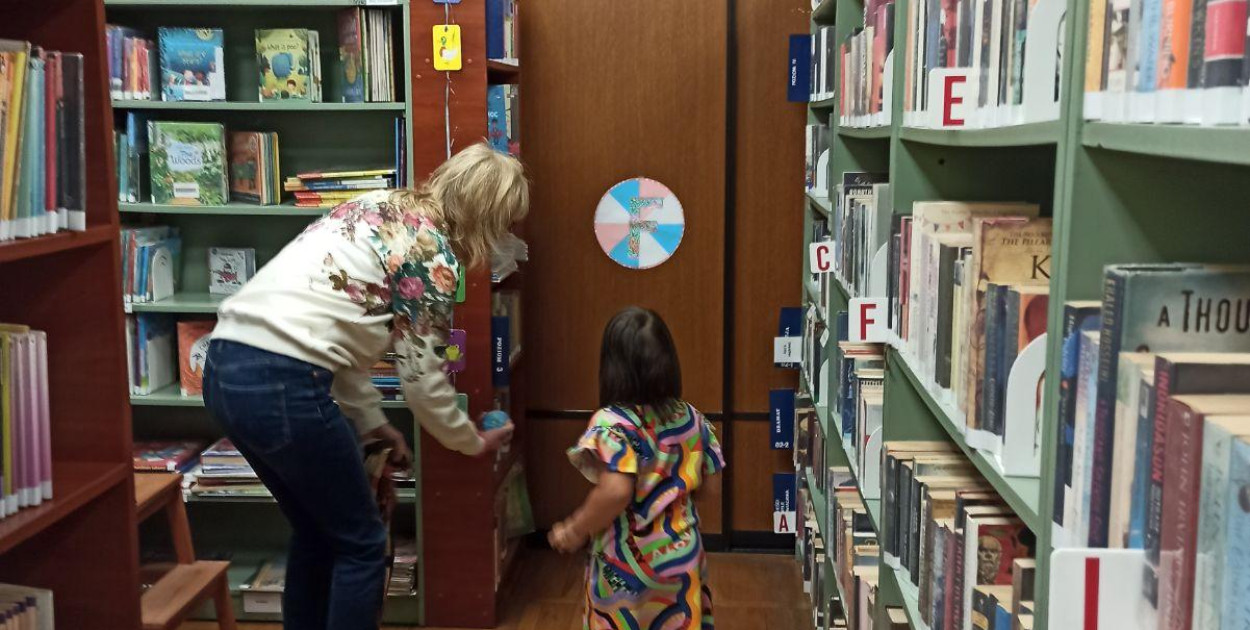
x=358 y=282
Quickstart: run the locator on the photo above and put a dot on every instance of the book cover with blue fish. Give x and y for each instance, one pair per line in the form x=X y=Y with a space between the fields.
x=192 y=64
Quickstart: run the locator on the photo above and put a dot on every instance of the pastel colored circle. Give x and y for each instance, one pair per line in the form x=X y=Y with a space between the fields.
x=639 y=223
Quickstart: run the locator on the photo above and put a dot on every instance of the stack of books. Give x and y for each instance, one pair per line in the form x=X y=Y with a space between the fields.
x=403 y=578
x=501 y=30
x=167 y=455
x=1166 y=61
x=502 y=123
x=255 y=176
x=385 y=377
x=151 y=260
x=1153 y=450
x=42 y=177
x=26 y=608
x=131 y=60
x=863 y=97
x=223 y=473
x=969 y=557
x=25 y=419
x=193 y=66
x=967 y=292
x=326 y=189
x=366 y=55
x=289 y=60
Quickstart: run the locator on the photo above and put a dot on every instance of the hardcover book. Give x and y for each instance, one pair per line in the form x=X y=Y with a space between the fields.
x=1159 y=308
x=166 y=456
x=1133 y=365
x=284 y=59
x=188 y=163
x=229 y=269
x=1078 y=316
x=1225 y=500
x=192 y=64
x=351 y=55
x=193 y=338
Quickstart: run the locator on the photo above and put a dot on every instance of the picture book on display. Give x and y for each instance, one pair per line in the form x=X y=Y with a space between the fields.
x=502 y=123
x=42 y=146
x=192 y=64
x=289 y=60
x=193 y=338
x=188 y=163
x=25 y=419
x=229 y=269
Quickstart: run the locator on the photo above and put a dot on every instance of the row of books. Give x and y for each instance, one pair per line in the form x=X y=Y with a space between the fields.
x=1153 y=451
x=502 y=123
x=26 y=608
x=824 y=50
x=331 y=188
x=1167 y=61
x=967 y=291
x=859 y=227
x=151 y=261
x=816 y=147
x=501 y=30
x=863 y=59
x=42 y=150
x=859 y=406
x=25 y=419
x=812 y=359
x=987 y=39
x=191 y=63
x=161 y=350
x=223 y=473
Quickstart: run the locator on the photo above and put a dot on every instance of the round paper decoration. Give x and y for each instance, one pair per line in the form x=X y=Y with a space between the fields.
x=639 y=223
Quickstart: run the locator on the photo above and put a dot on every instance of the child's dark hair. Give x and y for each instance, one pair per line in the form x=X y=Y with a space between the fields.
x=638 y=361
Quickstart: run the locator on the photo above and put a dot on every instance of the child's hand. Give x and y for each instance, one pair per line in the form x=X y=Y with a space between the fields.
x=565 y=539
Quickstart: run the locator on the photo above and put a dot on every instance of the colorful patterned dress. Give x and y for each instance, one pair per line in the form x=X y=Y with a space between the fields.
x=647 y=570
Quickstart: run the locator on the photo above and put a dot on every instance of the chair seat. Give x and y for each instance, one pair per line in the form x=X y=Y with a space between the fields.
x=172 y=598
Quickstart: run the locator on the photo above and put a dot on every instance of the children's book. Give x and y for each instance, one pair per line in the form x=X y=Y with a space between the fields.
x=229 y=269
x=193 y=338
x=284 y=58
x=351 y=59
x=166 y=455
x=188 y=163
x=192 y=64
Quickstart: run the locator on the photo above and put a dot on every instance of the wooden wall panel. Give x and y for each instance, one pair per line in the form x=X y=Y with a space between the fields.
x=613 y=90
x=556 y=488
x=754 y=464
x=768 y=194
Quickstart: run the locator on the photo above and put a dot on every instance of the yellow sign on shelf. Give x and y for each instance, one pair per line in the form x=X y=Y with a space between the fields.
x=447 y=47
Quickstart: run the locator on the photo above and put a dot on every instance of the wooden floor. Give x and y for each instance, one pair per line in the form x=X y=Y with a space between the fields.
x=749 y=592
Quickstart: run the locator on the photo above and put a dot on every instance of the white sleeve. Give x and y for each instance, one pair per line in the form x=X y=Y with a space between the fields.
x=359 y=399
x=430 y=394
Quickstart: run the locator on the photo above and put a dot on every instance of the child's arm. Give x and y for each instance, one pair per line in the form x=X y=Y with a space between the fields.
x=609 y=498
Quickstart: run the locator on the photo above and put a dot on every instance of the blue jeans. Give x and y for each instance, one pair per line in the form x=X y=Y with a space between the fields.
x=279 y=414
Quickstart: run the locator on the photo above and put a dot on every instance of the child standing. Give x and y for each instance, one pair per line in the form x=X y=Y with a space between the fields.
x=647 y=452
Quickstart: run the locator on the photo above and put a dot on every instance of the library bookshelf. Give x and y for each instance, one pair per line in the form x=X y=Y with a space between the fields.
x=1118 y=193
x=451 y=511
x=81 y=544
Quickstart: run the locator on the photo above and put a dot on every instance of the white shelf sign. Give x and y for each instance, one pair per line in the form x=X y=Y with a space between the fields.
x=820 y=257
x=867 y=321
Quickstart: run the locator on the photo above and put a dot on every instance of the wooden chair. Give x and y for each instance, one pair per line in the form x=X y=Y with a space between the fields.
x=168 y=602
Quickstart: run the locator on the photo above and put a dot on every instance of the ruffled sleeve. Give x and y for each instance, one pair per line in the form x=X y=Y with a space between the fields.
x=713 y=459
x=606 y=445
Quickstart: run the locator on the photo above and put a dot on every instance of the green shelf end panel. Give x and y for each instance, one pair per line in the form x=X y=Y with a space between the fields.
x=181 y=303
x=824 y=104
x=287 y=209
x=820 y=204
x=1030 y=134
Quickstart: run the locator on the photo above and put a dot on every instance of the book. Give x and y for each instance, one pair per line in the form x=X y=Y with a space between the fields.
x=284 y=59
x=352 y=54
x=1157 y=308
x=229 y=269
x=188 y=163
x=1222 y=511
x=1078 y=317
x=166 y=455
x=1133 y=366
x=193 y=338
x=992 y=544
x=255 y=175
x=1024 y=318
x=1189 y=417
x=193 y=66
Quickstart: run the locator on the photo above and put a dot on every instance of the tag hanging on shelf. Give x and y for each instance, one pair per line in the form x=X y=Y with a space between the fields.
x=447 y=47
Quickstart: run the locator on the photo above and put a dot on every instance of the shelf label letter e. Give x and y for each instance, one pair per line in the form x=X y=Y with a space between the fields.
x=956 y=102
x=820 y=257
x=867 y=320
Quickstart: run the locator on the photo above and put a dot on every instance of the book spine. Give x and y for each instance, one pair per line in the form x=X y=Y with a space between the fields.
x=1224 y=44
x=1236 y=571
x=946 y=282
x=889 y=504
x=993 y=355
x=1104 y=418
x=1154 y=505
x=1212 y=544
x=1010 y=349
x=1141 y=466
x=954 y=596
x=1180 y=514
x=1173 y=58
x=1197 y=44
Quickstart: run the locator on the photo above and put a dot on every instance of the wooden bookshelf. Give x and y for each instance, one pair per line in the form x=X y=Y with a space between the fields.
x=81 y=543
x=1113 y=192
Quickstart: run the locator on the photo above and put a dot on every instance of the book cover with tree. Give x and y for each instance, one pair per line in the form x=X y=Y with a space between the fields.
x=188 y=163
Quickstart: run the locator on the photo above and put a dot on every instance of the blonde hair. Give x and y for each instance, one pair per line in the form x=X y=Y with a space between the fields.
x=475 y=196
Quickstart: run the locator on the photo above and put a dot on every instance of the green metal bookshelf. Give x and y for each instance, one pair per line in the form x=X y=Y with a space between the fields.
x=1118 y=193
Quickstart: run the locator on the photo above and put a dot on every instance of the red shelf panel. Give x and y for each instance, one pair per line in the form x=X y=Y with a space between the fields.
x=54 y=243
x=74 y=484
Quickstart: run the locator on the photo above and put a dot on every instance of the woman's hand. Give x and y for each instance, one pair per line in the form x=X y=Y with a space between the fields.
x=565 y=538
x=401 y=455
x=496 y=439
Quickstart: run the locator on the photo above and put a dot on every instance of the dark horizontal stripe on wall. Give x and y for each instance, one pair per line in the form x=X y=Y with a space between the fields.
x=584 y=414
x=747 y=541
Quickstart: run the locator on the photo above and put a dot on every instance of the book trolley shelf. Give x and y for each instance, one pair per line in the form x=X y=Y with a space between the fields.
x=80 y=544
x=451 y=512
x=1118 y=193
